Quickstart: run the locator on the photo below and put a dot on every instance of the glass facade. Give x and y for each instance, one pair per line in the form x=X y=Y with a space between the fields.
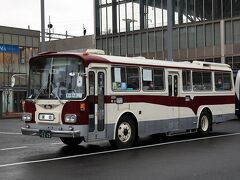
x=15 y=51
x=201 y=28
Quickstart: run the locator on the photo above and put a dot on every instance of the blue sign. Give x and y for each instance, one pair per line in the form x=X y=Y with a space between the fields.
x=5 y=48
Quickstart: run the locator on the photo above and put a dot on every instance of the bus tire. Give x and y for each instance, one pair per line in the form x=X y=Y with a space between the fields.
x=126 y=134
x=205 y=124
x=238 y=116
x=71 y=141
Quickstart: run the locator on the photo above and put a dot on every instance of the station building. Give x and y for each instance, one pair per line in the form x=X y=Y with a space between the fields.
x=205 y=30
x=76 y=43
x=16 y=47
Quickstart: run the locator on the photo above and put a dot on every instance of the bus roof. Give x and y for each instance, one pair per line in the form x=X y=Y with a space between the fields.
x=89 y=58
x=164 y=63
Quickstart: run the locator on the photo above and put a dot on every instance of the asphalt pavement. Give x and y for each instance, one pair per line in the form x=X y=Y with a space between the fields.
x=155 y=157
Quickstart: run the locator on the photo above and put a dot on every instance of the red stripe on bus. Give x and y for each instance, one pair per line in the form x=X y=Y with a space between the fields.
x=193 y=104
x=73 y=107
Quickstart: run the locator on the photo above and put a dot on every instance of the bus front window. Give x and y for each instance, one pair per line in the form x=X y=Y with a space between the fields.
x=56 y=78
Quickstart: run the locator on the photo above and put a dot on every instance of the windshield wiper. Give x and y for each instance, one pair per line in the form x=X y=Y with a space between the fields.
x=57 y=98
x=40 y=91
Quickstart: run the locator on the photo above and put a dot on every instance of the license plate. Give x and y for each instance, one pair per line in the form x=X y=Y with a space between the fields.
x=45 y=134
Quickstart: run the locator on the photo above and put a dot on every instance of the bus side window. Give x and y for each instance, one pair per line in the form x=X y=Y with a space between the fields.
x=218 y=81
x=125 y=78
x=186 y=80
x=202 y=81
x=197 y=80
x=153 y=79
x=118 y=78
x=132 y=78
x=227 y=85
x=175 y=85
x=169 y=85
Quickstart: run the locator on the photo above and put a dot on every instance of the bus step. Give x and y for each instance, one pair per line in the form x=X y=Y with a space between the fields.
x=174 y=133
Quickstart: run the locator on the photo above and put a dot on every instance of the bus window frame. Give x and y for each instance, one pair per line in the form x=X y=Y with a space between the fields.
x=164 y=80
x=204 y=90
x=231 y=82
x=191 y=81
x=126 y=78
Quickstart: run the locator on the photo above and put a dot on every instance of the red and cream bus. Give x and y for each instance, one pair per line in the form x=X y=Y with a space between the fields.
x=91 y=96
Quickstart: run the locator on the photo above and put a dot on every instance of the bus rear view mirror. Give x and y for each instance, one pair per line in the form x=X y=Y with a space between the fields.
x=13 y=81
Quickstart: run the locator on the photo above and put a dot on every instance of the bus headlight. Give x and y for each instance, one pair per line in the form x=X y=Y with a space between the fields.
x=27 y=117
x=70 y=118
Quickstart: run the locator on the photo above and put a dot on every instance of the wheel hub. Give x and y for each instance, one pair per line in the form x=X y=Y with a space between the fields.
x=204 y=123
x=124 y=132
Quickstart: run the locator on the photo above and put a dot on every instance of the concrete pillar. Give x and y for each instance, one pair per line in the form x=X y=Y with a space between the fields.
x=222 y=40
x=170 y=30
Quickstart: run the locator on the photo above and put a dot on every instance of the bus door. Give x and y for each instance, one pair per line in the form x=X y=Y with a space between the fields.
x=173 y=93
x=97 y=111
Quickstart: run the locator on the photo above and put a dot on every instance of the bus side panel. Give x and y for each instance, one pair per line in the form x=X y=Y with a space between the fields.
x=151 y=118
x=220 y=113
x=157 y=118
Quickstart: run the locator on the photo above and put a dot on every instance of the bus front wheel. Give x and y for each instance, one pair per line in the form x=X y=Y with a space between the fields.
x=125 y=135
x=71 y=141
x=205 y=123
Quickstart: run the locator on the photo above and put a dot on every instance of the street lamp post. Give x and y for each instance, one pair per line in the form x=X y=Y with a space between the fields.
x=42 y=26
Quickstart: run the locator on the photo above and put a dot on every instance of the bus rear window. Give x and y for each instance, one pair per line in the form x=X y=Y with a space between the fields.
x=222 y=81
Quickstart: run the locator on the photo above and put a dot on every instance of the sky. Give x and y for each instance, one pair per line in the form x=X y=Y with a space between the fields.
x=65 y=15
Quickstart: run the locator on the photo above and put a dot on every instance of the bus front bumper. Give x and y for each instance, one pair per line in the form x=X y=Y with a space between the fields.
x=54 y=133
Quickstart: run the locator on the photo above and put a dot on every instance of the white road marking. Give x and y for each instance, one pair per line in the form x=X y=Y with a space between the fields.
x=13 y=148
x=118 y=150
x=29 y=145
x=57 y=143
x=10 y=133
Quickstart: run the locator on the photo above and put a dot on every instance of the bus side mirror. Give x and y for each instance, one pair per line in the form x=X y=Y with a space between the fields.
x=72 y=74
x=82 y=74
x=13 y=81
x=79 y=80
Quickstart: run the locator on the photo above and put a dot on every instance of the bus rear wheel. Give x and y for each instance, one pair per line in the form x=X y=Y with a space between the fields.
x=205 y=124
x=71 y=141
x=125 y=135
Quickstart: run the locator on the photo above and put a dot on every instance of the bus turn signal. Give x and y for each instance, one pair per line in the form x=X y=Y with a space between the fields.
x=82 y=107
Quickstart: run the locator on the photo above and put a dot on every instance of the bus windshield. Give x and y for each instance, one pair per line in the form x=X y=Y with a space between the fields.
x=56 y=78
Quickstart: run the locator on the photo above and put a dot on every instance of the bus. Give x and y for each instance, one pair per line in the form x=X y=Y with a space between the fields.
x=236 y=76
x=90 y=97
